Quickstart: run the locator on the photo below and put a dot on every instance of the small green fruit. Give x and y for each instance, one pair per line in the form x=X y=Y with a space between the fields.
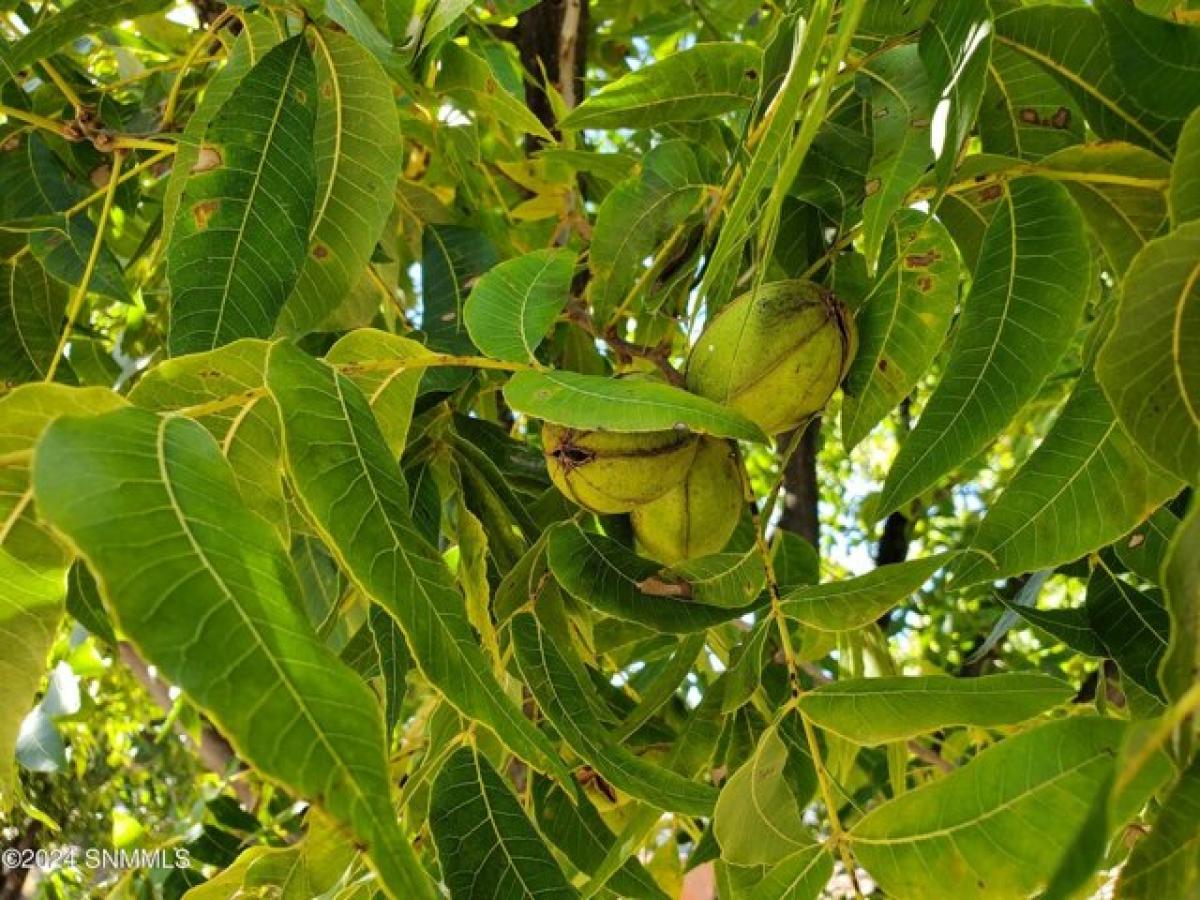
x=775 y=355
x=613 y=472
x=697 y=517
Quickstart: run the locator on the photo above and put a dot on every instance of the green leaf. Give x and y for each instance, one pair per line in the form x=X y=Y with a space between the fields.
x=350 y=487
x=1072 y=626
x=31 y=608
x=241 y=231
x=309 y=868
x=855 y=602
x=801 y=876
x=213 y=574
x=877 y=710
x=575 y=828
x=564 y=693
x=902 y=322
x=1026 y=113
x=1150 y=365
x=956 y=47
x=1085 y=486
x=1181 y=583
x=452 y=257
x=58 y=29
x=1158 y=61
x=1119 y=188
x=730 y=580
x=777 y=133
x=394 y=662
x=470 y=80
x=31 y=310
x=391 y=392
x=223 y=391
x=944 y=840
x=36 y=191
x=1143 y=550
x=896 y=87
x=514 y=304
x=85 y=606
x=357 y=164
x=1184 y=195
x=758 y=819
x=24 y=414
x=691 y=85
x=486 y=845
x=259 y=35
x=1133 y=627
x=1166 y=863
x=608 y=576
x=1070 y=44
x=595 y=402
x=1025 y=303
x=638 y=216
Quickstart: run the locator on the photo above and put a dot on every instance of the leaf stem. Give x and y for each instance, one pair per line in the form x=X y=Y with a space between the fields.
x=81 y=291
x=65 y=89
x=125 y=176
x=33 y=119
x=172 y=102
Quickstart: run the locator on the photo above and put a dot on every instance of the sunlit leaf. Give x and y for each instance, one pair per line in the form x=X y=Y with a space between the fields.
x=691 y=85
x=514 y=304
x=351 y=488
x=218 y=576
x=944 y=839
x=1085 y=486
x=356 y=133
x=589 y=401
x=877 y=710
x=1150 y=365
x=1026 y=300
x=854 y=602
x=758 y=818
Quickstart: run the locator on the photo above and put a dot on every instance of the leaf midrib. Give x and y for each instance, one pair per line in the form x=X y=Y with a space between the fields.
x=249 y=204
x=185 y=526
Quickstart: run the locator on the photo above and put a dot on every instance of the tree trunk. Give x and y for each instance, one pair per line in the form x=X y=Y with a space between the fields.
x=801 y=493
x=551 y=38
